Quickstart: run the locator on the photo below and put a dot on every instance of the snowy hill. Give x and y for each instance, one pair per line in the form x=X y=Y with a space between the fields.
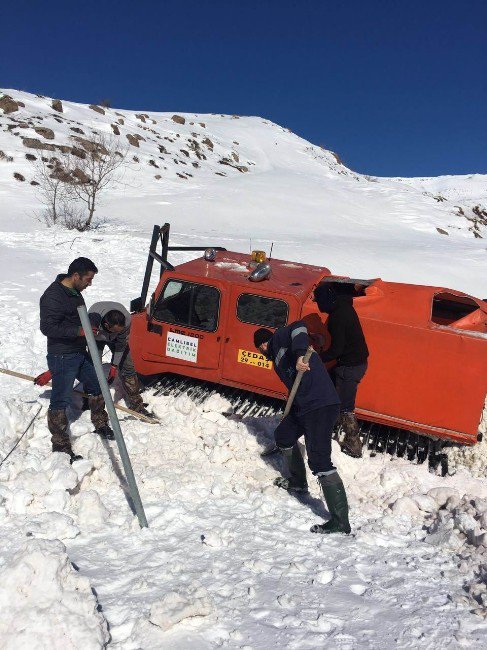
x=228 y=560
x=244 y=178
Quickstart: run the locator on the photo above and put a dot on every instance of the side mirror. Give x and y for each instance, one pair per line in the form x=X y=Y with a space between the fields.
x=136 y=304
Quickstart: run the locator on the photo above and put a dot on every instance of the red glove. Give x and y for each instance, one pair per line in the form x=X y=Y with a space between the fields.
x=112 y=374
x=93 y=328
x=43 y=379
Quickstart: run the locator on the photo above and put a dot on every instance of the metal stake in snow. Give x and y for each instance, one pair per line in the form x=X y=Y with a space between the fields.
x=127 y=466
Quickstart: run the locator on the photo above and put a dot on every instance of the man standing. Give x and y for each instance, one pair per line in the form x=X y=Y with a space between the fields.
x=349 y=349
x=112 y=321
x=313 y=413
x=67 y=358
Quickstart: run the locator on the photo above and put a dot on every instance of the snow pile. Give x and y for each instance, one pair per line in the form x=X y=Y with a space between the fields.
x=454 y=525
x=472 y=458
x=176 y=606
x=45 y=603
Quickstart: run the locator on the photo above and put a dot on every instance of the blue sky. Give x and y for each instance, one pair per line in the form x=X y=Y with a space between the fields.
x=395 y=87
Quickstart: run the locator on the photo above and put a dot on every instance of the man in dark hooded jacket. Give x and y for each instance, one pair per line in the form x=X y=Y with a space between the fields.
x=67 y=357
x=349 y=349
x=313 y=414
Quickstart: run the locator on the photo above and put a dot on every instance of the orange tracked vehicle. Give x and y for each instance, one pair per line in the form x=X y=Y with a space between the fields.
x=427 y=372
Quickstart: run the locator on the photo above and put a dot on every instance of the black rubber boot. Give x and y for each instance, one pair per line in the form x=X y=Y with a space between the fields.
x=337 y=504
x=297 y=481
x=105 y=432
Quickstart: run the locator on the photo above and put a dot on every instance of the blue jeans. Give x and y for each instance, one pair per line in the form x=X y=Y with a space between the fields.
x=65 y=368
x=347 y=379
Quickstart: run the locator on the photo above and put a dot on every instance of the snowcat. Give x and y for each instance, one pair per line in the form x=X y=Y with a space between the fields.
x=426 y=382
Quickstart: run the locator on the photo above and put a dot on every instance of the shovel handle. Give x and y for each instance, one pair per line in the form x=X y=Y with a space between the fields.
x=297 y=381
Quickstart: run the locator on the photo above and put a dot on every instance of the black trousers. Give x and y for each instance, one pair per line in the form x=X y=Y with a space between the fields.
x=347 y=379
x=317 y=428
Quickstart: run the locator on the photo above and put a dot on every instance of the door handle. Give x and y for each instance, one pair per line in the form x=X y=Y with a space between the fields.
x=227 y=339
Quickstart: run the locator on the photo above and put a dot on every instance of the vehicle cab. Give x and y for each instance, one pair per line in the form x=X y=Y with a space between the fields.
x=203 y=314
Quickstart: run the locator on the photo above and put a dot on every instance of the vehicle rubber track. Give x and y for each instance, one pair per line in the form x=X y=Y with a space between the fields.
x=376 y=438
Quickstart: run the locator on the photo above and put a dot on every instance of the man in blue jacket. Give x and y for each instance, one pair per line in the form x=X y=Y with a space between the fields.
x=67 y=357
x=313 y=414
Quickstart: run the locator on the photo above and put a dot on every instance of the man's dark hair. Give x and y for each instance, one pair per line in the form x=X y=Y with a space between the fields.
x=114 y=317
x=81 y=266
x=262 y=335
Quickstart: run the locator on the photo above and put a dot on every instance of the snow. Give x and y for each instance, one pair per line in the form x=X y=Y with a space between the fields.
x=228 y=559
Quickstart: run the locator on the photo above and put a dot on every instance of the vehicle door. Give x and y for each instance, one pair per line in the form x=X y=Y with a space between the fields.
x=248 y=311
x=185 y=325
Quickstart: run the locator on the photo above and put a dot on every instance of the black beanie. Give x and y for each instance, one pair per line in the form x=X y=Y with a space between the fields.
x=326 y=297
x=262 y=335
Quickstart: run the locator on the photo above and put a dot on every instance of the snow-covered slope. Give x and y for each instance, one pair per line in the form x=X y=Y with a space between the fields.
x=228 y=560
x=287 y=191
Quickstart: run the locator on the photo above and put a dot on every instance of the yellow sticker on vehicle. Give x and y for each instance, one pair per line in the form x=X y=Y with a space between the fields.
x=254 y=359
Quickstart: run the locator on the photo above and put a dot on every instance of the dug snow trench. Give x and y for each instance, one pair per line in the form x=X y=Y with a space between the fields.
x=228 y=560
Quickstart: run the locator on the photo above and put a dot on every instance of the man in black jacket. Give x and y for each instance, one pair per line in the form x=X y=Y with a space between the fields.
x=67 y=358
x=313 y=414
x=349 y=349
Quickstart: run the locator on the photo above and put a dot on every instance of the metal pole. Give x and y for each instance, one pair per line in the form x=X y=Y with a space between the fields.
x=107 y=396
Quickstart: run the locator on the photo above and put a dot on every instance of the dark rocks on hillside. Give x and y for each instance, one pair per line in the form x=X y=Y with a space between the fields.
x=235 y=156
x=202 y=124
x=79 y=153
x=45 y=132
x=33 y=143
x=134 y=139
x=97 y=109
x=58 y=119
x=208 y=143
x=77 y=130
x=179 y=119
x=30 y=156
x=230 y=163
x=441 y=231
x=153 y=163
x=34 y=183
x=115 y=129
x=135 y=159
x=17 y=125
x=186 y=153
x=141 y=116
x=57 y=105
x=121 y=121
x=19 y=177
x=90 y=146
x=64 y=148
x=163 y=149
x=81 y=177
x=336 y=157
x=158 y=177
x=9 y=105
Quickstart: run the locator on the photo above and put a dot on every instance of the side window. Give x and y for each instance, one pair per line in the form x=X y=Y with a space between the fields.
x=448 y=308
x=262 y=310
x=186 y=303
